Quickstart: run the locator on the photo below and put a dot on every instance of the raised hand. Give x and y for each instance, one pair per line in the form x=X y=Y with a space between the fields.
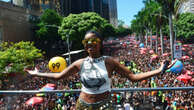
x=166 y=65
x=32 y=72
x=170 y=65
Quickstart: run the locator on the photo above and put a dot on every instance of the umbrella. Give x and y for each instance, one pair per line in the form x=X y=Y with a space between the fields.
x=34 y=100
x=185 y=57
x=154 y=56
x=165 y=54
x=124 y=45
x=141 y=45
x=44 y=89
x=151 y=51
x=183 y=49
x=144 y=49
x=73 y=52
x=47 y=87
x=50 y=85
x=188 y=72
x=154 y=37
x=142 y=52
x=191 y=52
x=184 y=78
x=185 y=45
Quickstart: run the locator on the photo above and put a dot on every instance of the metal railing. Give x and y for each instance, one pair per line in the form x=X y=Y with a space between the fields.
x=78 y=90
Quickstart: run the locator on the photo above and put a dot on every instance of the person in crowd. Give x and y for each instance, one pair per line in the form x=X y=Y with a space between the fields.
x=95 y=74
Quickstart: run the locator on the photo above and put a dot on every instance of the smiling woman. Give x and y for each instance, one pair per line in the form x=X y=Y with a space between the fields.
x=92 y=43
x=95 y=73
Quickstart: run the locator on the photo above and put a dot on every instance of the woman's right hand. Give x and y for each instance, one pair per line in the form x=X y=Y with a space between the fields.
x=32 y=72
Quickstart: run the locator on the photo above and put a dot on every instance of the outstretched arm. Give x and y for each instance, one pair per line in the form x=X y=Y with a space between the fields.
x=70 y=70
x=124 y=71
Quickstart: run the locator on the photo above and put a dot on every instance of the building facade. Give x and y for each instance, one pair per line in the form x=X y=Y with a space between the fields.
x=15 y=16
x=106 y=8
x=187 y=6
x=14 y=23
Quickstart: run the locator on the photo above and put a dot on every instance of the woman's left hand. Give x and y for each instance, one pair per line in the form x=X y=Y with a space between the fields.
x=165 y=65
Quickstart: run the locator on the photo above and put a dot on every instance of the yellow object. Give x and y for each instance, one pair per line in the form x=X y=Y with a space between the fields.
x=57 y=64
x=91 y=41
x=39 y=95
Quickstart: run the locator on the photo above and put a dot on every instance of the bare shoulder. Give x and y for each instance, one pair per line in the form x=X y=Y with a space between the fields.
x=78 y=63
x=111 y=61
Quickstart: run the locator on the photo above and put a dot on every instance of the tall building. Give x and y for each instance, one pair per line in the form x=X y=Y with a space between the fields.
x=14 y=22
x=187 y=6
x=106 y=8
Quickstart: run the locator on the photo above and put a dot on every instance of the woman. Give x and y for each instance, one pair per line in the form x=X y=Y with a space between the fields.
x=95 y=74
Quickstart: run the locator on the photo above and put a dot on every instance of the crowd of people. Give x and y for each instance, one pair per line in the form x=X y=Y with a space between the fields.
x=128 y=55
x=158 y=100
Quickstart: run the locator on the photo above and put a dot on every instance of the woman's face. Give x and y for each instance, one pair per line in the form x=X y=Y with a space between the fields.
x=92 y=45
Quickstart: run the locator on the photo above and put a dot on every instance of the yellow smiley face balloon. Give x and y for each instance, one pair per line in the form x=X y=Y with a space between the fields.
x=57 y=64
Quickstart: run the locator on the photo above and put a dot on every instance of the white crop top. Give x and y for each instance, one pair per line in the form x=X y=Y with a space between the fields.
x=94 y=76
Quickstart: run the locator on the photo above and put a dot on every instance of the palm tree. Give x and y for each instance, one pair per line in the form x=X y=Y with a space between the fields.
x=169 y=6
x=150 y=17
x=136 y=25
x=159 y=21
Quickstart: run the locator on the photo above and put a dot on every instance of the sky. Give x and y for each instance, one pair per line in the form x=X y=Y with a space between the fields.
x=126 y=9
x=5 y=0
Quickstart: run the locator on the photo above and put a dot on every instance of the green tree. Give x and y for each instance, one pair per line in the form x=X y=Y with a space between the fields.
x=47 y=37
x=121 y=30
x=185 y=27
x=154 y=20
x=137 y=25
x=121 y=23
x=147 y=20
x=15 y=56
x=158 y=20
x=169 y=7
x=49 y=17
x=75 y=26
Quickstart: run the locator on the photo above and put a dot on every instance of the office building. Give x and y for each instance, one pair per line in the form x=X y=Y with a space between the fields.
x=106 y=8
x=187 y=6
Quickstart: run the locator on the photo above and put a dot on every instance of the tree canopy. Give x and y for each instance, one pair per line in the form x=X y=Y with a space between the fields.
x=75 y=26
x=122 y=30
x=47 y=37
x=49 y=17
x=185 y=26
